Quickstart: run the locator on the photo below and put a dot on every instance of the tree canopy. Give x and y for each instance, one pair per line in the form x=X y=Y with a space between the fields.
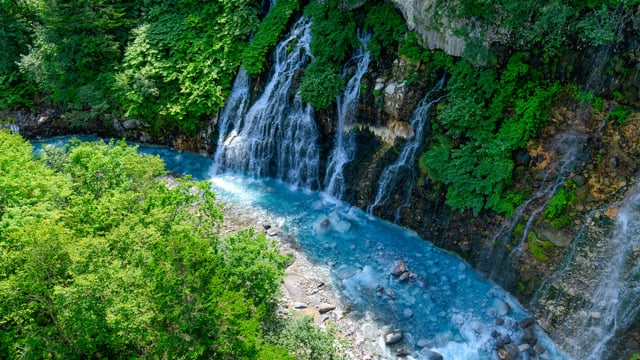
x=103 y=256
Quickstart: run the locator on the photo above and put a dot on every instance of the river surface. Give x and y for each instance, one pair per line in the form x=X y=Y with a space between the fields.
x=444 y=306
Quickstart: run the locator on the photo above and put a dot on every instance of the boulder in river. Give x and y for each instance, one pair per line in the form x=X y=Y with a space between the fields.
x=430 y=355
x=324 y=308
x=393 y=337
x=399 y=267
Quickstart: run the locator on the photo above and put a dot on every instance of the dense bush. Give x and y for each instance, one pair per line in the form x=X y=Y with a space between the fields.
x=102 y=257
x=387 y=27
x=334 y=35
x=179 y=66
x=169 y=63
x=267 y=35
x=486 y=117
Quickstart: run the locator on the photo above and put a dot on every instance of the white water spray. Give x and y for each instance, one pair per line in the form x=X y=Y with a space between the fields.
x=277 y=135
x=598 y=285
x=569 y=148
x=344 y=146
x=14 y=128
x=403 y=169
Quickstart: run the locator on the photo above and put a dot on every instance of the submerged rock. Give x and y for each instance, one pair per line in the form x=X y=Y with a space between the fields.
x=393 y=337
x=402 y=352
x=399 y=267
x=430 y=355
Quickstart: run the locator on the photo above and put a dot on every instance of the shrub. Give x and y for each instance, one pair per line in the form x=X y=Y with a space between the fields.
x=267 y=35
x=101 y=258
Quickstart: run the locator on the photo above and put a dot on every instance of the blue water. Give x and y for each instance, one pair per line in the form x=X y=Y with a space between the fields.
x=446 y=308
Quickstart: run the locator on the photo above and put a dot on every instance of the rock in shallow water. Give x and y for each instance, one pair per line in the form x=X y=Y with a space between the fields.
x=399 y=267
x=430 y=355
x=393 y=337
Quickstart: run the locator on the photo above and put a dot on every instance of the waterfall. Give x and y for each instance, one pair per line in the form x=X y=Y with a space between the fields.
x=277 y=135
x=15 y=129
x=347 y=103
x=403 y=169
x=598 y=286
x=568 y=147
x=231 y=118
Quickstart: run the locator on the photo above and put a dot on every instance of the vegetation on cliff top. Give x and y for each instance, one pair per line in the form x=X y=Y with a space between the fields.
x=168 y=63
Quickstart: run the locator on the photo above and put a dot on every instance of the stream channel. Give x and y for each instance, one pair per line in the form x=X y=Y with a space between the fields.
x=442 y=306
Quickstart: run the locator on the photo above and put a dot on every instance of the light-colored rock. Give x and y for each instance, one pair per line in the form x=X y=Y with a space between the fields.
x=393 y=337
x=418 y=15
x=324 y=308
x=299 y=305
x=131 y=124
x=407 y=313
x=398 y=268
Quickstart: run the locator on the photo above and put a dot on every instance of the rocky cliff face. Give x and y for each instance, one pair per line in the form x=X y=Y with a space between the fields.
x=418 y=14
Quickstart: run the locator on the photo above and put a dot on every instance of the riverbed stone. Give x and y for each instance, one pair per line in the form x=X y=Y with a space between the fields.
x=526 y=322
x=508 y=352
x=393 y=337
x=299 y=305
x=324 y=308
x=408 y=313
x=430 y=355
x=131 y=124
x=399 y=267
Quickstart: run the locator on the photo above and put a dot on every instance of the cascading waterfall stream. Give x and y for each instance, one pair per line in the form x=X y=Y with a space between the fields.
x=598 y=285
x=347 y=103
x=231 y=117
x=569 y=147
x=403 y=169
x=277 y=135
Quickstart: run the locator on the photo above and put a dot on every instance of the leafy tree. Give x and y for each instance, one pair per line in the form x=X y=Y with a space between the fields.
x=267 y=35
x=334 y=30
x=486 y=117
x=387 y=26
x=76 y=45
x=102 y=257
x=308 y=342
x=15 y=21
x=178 y=68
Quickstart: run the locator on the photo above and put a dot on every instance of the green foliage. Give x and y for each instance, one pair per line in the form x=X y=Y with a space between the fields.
x=76 y=44
x=333 y=29
x=101 y=256
x=546 y=27
x=267 y=35
x=635 y=357
x=601 y=27
x=588 y=98
x=15 y=21
x=556 y=210
x=540 y=249
x=321 y=85
x=254 y=266
x=487 y=116
x=620 y=114
x=180 y=64
x=308 y=342
x=387 y=27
